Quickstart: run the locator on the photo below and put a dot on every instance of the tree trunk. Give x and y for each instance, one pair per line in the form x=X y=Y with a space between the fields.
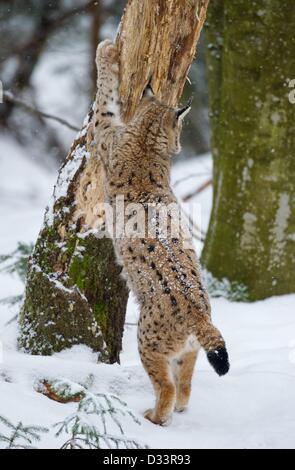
x=47 y=19
x=74 y=292
x=251 y=237
x=27 y=56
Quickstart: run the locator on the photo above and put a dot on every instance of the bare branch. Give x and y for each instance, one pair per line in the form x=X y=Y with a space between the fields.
x=53 y=24
x=197 y=233
x=7 y=96
x=76 y=11
x=192 y=175
x=198 y=190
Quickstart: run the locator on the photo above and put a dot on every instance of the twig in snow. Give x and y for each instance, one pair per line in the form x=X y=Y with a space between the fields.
x=12 y=320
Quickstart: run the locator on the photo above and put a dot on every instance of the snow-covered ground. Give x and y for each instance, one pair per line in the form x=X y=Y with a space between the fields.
x=251 y=407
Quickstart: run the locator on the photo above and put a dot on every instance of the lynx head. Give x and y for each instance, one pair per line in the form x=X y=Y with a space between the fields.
x=162 y=124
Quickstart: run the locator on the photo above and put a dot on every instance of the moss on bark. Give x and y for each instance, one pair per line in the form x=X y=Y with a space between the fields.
x=74 y=293
x=251 y=237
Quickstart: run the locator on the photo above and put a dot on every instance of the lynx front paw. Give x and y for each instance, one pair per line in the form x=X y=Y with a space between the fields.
x=107 y=50
x=161 y=421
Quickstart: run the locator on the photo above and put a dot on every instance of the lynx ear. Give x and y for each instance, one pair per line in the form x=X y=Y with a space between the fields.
x=182 y=112
x=148 y=91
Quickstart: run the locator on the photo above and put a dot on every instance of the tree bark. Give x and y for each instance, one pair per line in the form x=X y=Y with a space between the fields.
x=157 y=40
x=74 y=292
x=251 y=237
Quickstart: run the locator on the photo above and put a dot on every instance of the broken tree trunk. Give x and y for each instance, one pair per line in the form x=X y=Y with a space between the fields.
x=74 y=292
x=157 y=42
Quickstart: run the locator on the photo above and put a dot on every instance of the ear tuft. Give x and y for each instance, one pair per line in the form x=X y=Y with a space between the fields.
x=148 y=91
x=182 y=112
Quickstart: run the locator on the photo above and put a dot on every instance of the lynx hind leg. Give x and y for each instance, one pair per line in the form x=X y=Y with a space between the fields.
x=159 y=370
x=183 y=372
x=107 y=106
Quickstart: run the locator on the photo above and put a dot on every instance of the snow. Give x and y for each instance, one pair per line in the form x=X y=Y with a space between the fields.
x=68 y=172
x=251 y=407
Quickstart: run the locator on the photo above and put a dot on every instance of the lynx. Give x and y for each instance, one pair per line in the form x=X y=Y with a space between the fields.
x=175 y=320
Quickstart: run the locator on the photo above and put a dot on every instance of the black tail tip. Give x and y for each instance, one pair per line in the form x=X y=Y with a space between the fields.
x=218 y=359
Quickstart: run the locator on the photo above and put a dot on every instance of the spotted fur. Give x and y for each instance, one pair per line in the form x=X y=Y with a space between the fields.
x=175 y=316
